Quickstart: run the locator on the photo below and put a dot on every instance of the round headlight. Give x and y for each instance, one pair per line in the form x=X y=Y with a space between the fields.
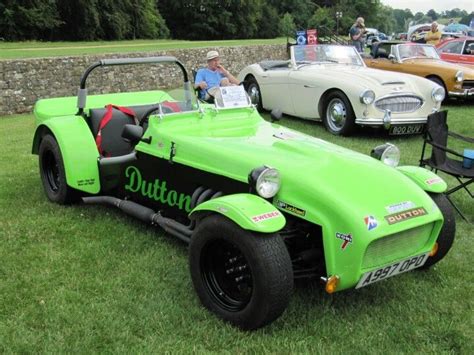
x=265 y=181
x=367 y=97
x=438 y=94
x=387 y=153
x=459 y=76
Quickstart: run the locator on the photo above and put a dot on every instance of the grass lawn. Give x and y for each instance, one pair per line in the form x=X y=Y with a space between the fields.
x=33 y=49
x=89 y=279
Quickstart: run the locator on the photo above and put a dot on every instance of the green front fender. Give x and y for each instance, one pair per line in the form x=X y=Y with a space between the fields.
x=249 y=211
x=78 y=150
x=426 y=179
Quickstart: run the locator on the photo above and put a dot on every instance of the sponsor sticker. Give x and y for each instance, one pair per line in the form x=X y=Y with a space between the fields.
x=265 y=216
x=401 y=206
x=433 y=181
x=405 y=215
x=346 y=238
x=370 y=222
x=290 y=208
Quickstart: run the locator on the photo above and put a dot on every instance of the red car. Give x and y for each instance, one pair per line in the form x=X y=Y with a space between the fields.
x=457 y=50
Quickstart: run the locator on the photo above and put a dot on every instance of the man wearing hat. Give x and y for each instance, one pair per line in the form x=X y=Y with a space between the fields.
x=209 y=79
x=357 y=33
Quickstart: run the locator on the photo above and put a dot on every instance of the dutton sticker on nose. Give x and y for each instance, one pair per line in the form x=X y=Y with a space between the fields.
x=403 y=216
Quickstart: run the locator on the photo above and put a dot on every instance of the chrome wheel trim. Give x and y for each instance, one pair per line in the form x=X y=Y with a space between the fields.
x=336 y=114
x=254 y=94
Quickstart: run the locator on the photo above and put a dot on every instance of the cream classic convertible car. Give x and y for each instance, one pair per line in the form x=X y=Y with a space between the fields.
x=332 y=83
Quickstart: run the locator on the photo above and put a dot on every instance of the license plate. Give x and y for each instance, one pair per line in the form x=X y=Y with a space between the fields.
x=392 y=270
x=409 y=129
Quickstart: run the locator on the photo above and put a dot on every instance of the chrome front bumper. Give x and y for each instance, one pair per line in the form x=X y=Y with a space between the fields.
x=392 y=122
x=463 y=93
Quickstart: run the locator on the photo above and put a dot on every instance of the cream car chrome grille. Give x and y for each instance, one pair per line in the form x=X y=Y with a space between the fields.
x=399 y=104
x=396 y=246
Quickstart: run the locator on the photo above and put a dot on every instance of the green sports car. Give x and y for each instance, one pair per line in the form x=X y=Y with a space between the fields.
x=260 y=205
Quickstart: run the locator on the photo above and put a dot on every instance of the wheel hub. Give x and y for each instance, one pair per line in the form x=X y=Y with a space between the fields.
x=227 y=275
x=254 y=95
x=337 y=115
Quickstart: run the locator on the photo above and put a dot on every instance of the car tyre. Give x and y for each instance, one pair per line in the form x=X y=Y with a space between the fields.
x=339 y=118
x=446 y=236
x=253 y=90
x=246 y=278
x=52 y=172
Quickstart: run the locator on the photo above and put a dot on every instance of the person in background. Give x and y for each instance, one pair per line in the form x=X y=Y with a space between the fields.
x=209 y=79
x=357 y=34
x=434 y=35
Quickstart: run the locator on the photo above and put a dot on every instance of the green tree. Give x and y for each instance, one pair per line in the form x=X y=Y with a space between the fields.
x=322 y=17
x=287 y=26
x=433 y=14
x=466 y=20
x=28 y=19
x=268 y=22
x=211 y=19
x=401 y=17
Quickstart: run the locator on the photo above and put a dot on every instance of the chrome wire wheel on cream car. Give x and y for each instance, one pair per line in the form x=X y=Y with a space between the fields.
x=253 y=90
x=338 y=114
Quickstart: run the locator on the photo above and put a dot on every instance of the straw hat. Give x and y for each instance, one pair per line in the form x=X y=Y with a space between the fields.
x=212 y=54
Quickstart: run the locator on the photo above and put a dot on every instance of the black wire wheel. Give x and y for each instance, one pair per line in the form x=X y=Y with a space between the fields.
x=245 y=278
x=446 y=235
x=53 y=175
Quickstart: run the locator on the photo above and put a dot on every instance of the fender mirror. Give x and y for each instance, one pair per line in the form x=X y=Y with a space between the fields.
x=392 y=58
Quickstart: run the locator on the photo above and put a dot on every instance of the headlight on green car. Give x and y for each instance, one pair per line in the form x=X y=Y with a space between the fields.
x=265 y=181
x=367 y=97
x=459 y=77
x=387 y=153
x=438 y=94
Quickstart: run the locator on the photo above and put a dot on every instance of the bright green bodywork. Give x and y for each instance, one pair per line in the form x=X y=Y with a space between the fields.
x=324 y=184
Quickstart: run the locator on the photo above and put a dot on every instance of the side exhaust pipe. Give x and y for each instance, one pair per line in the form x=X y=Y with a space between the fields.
x=144 y=214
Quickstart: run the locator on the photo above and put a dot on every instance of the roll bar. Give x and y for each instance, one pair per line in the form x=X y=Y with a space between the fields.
x=82 y=92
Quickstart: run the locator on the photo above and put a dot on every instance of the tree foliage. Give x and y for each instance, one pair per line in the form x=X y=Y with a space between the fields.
x=197 y=19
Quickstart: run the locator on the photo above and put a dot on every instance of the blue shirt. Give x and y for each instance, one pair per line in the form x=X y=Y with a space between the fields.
x=212 y=79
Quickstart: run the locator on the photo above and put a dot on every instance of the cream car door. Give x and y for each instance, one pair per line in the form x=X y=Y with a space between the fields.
x=274 y=89
x=305 y=90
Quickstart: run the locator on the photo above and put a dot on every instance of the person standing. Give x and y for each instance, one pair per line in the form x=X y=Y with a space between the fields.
x=434 y=35
x=357 y=34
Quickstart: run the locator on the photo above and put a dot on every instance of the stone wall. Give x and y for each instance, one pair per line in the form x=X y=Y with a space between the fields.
x=24 y=81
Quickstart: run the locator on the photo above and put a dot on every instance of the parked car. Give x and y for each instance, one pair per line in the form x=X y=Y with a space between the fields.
x=258 y=204
x=401 y=36
x=423 y=60
x=331 y=83
x=457 y=50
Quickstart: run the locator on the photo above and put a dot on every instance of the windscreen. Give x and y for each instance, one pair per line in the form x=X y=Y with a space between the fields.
x=417 y=51
x=324 y=54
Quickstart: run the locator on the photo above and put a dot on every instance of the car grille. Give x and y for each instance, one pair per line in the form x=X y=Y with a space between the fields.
x=396 y=246
x=399 y=104
x=468 y=84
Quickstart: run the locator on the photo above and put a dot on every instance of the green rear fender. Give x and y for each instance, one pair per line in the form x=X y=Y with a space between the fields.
x=426 y=179
x=78 y=150
x=249 y=211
